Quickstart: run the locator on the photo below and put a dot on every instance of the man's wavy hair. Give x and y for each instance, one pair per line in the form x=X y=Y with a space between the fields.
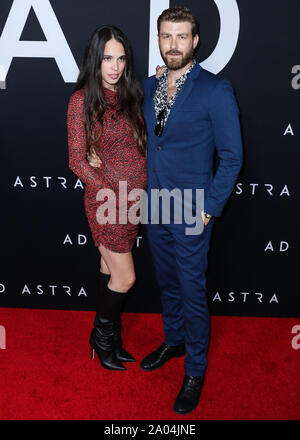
x=179 y=14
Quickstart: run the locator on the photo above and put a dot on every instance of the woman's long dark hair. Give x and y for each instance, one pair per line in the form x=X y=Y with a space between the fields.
x=130 y=94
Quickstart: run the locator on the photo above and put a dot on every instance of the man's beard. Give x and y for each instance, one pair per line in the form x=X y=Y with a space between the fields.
x=177 y=63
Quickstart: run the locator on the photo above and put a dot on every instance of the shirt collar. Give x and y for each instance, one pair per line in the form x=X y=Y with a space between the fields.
x=164 y=76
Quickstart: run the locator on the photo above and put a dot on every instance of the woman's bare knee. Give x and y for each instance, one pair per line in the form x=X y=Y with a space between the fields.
x=121 y=283
x=121 y=268
x=103 y=266
x=130 y=281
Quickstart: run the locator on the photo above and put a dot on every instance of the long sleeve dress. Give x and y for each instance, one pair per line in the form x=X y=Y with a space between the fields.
x=121 y=161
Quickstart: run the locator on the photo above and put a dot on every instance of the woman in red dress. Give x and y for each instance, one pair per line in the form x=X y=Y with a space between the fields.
x=105 y=118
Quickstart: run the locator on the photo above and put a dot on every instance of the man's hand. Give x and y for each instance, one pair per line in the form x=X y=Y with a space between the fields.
x=160 y=70
x=93 y=159
x=205 y=220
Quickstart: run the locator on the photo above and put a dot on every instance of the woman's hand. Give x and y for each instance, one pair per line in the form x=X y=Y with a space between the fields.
x=93 y=159
x=160 y=70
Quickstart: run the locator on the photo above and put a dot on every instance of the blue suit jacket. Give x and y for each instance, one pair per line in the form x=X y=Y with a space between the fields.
x=203 y=118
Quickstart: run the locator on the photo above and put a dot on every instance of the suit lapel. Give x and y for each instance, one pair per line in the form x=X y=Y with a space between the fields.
x=151 y=111
x=184 y=93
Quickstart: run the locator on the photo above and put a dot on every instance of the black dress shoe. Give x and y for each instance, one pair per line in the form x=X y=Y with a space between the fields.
x=189 y=395
x=161 y=355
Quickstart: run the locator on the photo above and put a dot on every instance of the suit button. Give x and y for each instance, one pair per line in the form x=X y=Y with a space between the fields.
x=158 y=148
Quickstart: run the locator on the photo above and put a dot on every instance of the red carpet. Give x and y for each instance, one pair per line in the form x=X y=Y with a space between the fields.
x=47 y=373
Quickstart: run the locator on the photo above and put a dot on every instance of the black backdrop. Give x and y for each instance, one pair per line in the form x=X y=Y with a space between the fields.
x=48 y=259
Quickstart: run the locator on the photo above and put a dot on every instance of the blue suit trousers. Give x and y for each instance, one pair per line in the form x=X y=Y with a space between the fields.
x=180 y=263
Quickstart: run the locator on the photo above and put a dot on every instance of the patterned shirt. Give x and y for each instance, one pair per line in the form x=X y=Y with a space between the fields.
x=161 y=95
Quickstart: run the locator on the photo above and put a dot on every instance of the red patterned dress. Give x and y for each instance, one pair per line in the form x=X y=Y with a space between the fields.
x=121 y=161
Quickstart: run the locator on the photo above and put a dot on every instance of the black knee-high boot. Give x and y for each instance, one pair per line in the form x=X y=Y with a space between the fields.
x=102 y=336
x=108 y=317
x=121 y=353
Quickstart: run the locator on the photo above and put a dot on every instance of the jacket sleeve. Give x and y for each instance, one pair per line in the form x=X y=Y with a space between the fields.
x=77 y=142
x=224 y=115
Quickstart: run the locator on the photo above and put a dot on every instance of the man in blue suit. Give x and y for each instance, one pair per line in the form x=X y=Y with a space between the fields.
x=190 y=113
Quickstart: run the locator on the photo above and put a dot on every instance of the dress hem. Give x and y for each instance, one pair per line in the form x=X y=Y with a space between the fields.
x=113 y=250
